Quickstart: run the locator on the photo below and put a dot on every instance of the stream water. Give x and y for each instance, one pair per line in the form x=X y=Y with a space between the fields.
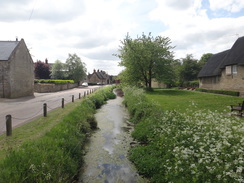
x=106 y=154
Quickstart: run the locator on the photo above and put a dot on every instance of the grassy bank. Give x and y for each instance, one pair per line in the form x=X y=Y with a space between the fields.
x=51 y=149
x=181 y=100
x=186 y=136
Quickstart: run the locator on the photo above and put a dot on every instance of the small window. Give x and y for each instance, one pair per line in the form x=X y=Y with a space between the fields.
x=234 y=69
x=228 y=70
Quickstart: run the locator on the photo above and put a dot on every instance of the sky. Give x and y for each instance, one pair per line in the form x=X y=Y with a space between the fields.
x=93 y=29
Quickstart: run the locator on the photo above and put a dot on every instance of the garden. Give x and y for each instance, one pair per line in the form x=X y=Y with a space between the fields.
x=186 y=136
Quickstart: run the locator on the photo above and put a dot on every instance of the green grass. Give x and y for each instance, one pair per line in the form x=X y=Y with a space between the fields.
x=34 y=129
x=51 y=149
x=181 y=100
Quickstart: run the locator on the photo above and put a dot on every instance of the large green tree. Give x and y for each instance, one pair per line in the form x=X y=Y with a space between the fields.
x=204 y=58
x=189 y=69
x=146 y=58
x=59 y=70
x=75 y=67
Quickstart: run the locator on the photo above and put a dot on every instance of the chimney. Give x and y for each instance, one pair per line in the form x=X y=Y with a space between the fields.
x=46 y=61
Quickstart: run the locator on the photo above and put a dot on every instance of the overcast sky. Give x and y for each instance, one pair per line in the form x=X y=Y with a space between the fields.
x=93 y=28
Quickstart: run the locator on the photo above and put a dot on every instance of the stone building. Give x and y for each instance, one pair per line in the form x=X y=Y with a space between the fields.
x=225 y=70
x=16 y=70
x=99 y=77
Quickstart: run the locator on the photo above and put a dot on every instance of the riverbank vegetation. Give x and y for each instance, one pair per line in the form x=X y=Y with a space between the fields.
x=55 y=155
x=186 y=136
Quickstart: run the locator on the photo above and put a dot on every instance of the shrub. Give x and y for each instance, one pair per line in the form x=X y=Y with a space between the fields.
x=224 y=92
x=53 y=81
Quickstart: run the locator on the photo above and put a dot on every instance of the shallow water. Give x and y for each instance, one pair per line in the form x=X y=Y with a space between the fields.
x=106 y=158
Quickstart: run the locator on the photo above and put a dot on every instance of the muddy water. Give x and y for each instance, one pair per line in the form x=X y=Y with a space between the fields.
x=106 y=158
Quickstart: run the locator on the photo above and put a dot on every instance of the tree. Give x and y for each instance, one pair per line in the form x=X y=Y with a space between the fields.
x=59 y=70
x=189 y=69
x=203 y=60
x=76 y=68
x=146 y=58
x=42 y=70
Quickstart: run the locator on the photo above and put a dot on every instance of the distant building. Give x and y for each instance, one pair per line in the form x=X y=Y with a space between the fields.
x=225 y=70
x=16 y=70
x=99 y=77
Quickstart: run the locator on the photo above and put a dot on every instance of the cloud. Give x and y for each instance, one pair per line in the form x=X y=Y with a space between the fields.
x=93 y=28
x=228 y=5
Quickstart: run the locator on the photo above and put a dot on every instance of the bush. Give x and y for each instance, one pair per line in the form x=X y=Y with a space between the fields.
x=224 y=92
x=53 y=81
x=57 y=156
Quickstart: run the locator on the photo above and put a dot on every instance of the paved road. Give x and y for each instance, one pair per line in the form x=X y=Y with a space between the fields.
x=25 y=109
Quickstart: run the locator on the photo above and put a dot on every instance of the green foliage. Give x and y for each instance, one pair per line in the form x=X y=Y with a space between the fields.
x=53 y=81
x=189 y=70
x=76 y=68
x=224 y=92
x=197 y=145
x=56 y=156
x=146 y=58
x=59 y=70
x=203 y=60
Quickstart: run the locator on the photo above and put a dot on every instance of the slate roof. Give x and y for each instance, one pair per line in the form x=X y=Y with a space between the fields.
x=217 y=62
x=6 y=48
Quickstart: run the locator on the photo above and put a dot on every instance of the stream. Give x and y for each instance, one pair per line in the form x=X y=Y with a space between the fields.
x=106 y=153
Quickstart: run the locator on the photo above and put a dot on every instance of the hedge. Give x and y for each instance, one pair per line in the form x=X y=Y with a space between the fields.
x=224 y=92
x=53 y=81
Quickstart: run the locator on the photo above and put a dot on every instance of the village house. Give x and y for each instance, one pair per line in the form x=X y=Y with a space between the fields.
x=225 y=70
x=16 y=70
x=99 y=77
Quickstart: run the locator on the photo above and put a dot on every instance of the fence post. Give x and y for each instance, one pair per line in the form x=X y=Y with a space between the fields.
x=79 y=95
x=72 y=98
x=8 y=125
x=62 y=102
x=84 y=94
x=45 y=110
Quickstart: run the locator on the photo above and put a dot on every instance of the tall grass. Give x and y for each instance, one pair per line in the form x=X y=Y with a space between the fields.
x=56 y=156
x=188 y=145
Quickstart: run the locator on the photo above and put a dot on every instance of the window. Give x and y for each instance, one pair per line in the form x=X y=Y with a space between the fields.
x=234 y=69
x=228 y=70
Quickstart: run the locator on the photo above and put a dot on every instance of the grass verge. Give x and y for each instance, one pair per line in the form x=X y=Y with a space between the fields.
x=51 y=149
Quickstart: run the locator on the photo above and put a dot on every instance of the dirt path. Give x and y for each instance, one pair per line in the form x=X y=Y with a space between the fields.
x=106 y=158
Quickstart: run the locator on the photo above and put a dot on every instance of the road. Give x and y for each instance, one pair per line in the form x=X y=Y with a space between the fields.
x=26 y=109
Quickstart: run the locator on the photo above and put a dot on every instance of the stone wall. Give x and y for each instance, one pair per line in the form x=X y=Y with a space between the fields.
x=232 y=82
x=4 y=77
x=21 y=72
x=45 y=88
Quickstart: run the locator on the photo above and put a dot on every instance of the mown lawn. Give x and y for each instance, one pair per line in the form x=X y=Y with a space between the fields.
x=182 y=100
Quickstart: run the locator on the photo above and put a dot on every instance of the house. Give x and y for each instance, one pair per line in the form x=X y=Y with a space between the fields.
x=16 y=70
x=100 y=77
x=225 y=70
